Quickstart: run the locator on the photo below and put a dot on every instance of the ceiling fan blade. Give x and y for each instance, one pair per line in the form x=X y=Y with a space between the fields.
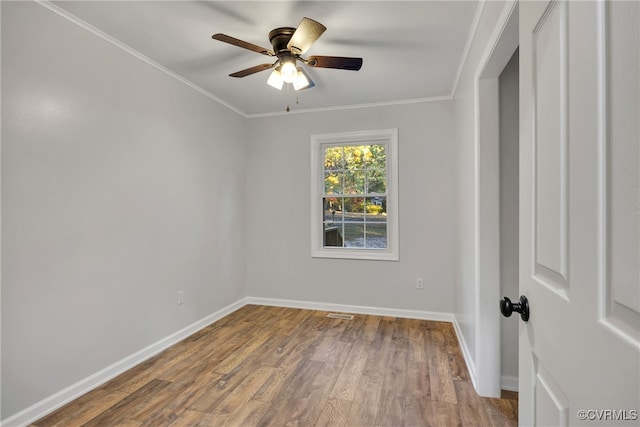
x=339 y=62
x=253 y=70
x=243 y=44
x=306 y=34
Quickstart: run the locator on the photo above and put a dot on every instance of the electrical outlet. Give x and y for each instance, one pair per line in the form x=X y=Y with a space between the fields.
x=419 y=283
x=180 y=297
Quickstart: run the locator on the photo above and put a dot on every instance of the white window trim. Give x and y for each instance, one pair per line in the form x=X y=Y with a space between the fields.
x=387 y=136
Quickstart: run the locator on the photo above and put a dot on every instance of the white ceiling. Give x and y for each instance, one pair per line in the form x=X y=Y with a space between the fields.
x=411 y=50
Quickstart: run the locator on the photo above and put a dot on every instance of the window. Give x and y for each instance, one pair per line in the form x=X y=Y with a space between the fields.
x=354 y=195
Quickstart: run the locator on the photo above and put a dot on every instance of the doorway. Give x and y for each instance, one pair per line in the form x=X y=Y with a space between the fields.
x=509 y=153
x=490 y=349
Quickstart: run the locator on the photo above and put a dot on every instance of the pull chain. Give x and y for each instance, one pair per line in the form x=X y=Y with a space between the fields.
x=288 y=108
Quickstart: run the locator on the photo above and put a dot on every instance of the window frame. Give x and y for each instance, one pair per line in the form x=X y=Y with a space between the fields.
x=389 y=137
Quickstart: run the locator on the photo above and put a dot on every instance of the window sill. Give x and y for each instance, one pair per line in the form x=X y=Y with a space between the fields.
x=355 y=254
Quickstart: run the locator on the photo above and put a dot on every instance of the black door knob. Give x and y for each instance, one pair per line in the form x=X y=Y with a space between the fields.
x=507 y=307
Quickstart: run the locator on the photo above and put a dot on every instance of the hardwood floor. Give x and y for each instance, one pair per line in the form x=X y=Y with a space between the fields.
x=272 y=366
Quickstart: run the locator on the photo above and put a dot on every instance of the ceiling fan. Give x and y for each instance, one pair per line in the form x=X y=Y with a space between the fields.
x=288 y=44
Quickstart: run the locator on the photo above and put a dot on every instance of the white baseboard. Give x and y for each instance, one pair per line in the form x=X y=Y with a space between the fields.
x=61 y=398
x=509 y=383
x=357 y=309
x=471 y=366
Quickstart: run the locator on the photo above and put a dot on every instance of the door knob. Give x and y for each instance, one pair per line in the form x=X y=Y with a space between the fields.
x=507 y=307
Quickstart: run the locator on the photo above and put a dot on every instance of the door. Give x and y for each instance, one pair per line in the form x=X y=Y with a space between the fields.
x=579 y=213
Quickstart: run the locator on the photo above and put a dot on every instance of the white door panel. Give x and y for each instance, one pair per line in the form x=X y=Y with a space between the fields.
x=579 y=212
x=621 y=302
x=551 y=404
x=549 y=90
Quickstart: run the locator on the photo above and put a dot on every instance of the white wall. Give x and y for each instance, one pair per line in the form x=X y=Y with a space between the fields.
x=509 y=179
x=279 y=263
x=120 y=186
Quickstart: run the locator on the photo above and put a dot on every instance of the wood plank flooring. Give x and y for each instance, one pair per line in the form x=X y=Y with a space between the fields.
x=272 y=366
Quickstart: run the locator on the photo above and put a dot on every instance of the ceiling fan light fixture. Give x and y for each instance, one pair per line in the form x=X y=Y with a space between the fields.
x=288 y=44
x=301 y=81
x=275 y=79
x=289 y=71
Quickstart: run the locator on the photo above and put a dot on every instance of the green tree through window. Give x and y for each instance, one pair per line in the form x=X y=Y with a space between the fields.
x=355 y=196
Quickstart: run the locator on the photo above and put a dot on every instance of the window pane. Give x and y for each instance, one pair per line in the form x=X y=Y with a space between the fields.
x=354 y=157
x=376 y=209
x=376 y=157
x=354 y=182
x=376 y=181
x=333 y=182
x=333 y=158
x=376 y=235
x=354 y=235
x=333 y=235
x=354 y=209
x=332 y=209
